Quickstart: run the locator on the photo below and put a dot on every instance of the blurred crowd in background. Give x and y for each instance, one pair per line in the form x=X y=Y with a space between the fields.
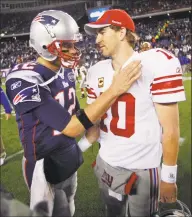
x=146 y=7
x=20 y=22
x=171 y=33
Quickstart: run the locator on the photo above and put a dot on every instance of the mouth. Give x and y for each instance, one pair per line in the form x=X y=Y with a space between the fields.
x=101 y=47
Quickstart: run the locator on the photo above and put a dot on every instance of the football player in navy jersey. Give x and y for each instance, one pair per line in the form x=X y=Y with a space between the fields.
x=48 y=113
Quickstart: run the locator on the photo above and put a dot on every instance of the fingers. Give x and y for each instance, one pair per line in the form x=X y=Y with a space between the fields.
x=168 y=192
x=126 y=77
x=131 y=66
x=135 y=73
x=168 y=199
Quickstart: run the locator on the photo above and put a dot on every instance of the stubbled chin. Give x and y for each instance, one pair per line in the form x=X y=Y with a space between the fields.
x=105 y=54
x=68 y=64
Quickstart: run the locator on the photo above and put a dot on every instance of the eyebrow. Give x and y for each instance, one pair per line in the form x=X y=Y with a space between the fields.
x=102 y=29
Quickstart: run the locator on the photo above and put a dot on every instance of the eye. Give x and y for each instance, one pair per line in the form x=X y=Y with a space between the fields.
x=68 y=45
x=102 y=32
x=65 y=50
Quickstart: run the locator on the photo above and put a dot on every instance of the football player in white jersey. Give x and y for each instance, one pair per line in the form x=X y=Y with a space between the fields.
x=76 y=73
x=140 y=127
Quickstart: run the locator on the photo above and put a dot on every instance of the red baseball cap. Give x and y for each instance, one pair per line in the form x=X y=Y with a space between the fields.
x=114 y=17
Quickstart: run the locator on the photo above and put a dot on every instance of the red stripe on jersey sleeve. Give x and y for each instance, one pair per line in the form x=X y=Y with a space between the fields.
x=168 y=92
x=167 y=85
x=168 y=76
x=90 y=93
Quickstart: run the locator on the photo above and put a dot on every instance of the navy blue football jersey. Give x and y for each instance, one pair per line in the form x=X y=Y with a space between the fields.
x=44 y=102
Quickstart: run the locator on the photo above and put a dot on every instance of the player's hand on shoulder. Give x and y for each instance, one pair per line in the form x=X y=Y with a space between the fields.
x=123 y=79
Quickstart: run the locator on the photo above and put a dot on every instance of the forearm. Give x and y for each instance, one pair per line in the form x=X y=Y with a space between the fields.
x=170 y=144
x=93 y=111
x=99 y=107
x=91 y=136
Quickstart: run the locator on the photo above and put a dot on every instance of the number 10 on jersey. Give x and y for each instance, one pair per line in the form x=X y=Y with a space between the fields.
x=128 y=114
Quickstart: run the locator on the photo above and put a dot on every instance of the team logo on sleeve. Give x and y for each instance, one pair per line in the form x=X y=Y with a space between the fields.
x=28 y=94
x=100 y=82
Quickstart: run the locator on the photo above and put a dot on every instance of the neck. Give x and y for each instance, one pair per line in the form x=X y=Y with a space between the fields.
x=54 y=65
x=121 y=56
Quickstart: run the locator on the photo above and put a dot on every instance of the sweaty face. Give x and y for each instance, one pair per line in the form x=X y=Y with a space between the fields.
x=68 y=48
x=70 y=54
x=107 y=41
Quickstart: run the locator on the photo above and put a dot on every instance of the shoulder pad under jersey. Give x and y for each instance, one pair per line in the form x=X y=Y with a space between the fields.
x=29 y=72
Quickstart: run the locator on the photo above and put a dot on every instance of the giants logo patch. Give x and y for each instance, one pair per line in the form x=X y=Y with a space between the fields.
x=107 y=179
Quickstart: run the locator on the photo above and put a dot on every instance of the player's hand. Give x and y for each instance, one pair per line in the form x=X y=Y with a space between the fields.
x=7 y=116
x=123 y=79
x=168 y=192
x=92 y=134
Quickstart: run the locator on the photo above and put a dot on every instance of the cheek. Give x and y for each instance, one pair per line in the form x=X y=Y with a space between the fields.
x=112 y=43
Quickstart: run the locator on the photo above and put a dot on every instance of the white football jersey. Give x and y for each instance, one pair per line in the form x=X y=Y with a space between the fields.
x=130 y=134
x=83 y=71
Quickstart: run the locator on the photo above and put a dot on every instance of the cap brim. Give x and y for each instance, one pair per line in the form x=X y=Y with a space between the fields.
x=91 y=28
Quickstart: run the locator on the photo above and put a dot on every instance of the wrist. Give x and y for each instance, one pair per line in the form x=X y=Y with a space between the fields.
x=112 y=92
x=169 y=173
x=84 y=144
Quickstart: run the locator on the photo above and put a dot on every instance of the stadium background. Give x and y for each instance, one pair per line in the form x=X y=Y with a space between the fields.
x=165 y=24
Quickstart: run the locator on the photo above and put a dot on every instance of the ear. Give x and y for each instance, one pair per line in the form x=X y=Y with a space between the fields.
x=122 y=33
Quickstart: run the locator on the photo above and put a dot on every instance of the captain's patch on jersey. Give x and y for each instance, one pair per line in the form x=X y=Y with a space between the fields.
x=28 y=94
x=100 y=82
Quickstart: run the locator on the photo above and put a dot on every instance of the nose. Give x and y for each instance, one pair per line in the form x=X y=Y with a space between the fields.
x=72 y=50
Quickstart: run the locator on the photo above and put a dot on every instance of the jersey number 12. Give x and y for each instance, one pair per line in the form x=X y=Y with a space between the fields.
x=60 y=98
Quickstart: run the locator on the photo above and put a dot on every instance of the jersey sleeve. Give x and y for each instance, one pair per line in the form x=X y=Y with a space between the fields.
x=167 y=85
x=29 y=97
x=52 y=114
x=25 y=95
x=91 y=92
